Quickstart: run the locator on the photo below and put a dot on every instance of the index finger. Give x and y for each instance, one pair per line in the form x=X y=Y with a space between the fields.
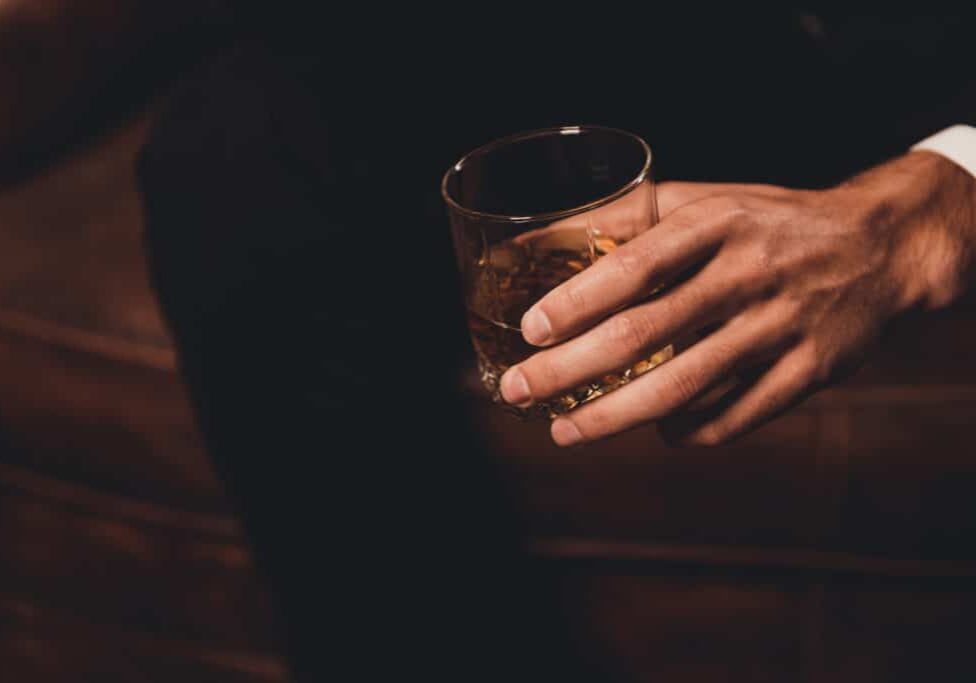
x=627 y=274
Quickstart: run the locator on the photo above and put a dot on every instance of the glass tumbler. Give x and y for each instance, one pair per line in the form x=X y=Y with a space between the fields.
x=530 y=211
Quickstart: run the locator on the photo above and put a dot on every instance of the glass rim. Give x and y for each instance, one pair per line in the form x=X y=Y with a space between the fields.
x=538 y=133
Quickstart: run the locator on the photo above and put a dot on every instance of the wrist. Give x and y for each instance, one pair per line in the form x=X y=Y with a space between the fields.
x=921 y=209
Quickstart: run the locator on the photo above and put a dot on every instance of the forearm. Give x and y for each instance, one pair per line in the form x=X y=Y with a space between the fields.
x=66 y=67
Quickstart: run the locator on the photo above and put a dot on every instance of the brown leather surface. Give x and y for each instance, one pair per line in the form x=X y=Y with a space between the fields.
x=836 y=544
x=119 y=557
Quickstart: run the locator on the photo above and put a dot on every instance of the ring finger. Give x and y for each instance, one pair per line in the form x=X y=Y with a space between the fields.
x=673 y=385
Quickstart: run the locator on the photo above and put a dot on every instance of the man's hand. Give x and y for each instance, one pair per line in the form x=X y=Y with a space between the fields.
x=785 y=290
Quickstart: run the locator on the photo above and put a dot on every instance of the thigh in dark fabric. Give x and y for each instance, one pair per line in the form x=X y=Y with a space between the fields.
x=310 y=288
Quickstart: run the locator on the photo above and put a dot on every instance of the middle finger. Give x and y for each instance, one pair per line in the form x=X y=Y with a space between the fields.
x=623 y=339
x=676 y=383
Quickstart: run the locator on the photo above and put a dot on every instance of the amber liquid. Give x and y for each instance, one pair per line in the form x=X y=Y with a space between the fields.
x=514 y=275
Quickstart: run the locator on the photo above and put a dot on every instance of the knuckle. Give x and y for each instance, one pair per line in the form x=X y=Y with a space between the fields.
x=732 y=217
x=693 y=299
x=570 y=300
x=763 y=258
x=721 y=355
x=790 y=313
x=811 y=373
x=754 y=267
x=808 y=367
x=679 y=388
x=631 y=261
x=562 y=306
x=631 y=331
x=595 y=422
x=746 y=274
x=814 y=362
x=727 y=208
x=543 y=374
x=754 y=283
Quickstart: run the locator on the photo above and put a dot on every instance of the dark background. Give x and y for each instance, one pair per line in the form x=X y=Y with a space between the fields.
x=198 y=276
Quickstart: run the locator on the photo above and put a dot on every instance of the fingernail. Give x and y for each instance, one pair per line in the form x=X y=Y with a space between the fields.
x=535 y=326
x=515 y=389
x=564 y=432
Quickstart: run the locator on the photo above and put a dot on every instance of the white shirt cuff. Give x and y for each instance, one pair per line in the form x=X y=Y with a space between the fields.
x=956 y=143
